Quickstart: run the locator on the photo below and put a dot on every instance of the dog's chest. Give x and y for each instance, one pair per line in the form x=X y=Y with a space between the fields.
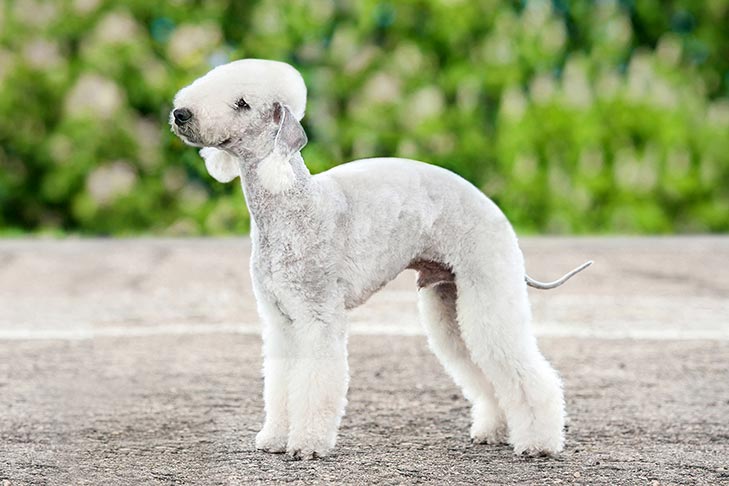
x=294 y=264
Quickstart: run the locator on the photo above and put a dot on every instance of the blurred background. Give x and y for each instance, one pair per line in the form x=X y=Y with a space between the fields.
x=574 y=116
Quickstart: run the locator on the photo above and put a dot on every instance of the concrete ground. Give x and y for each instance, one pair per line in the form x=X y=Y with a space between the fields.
x=138 y=362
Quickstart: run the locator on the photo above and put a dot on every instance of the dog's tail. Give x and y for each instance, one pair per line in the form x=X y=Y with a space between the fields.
x=551 y=285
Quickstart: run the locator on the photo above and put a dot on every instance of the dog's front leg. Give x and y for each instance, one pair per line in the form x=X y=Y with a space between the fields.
x=318 y=380
x=276 y=348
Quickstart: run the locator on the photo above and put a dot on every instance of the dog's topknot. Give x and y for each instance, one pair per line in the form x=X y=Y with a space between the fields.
x=279 y=80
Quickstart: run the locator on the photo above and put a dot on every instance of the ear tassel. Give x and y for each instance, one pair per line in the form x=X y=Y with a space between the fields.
x=275 y=171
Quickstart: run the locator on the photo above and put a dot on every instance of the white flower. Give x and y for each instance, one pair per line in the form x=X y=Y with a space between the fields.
x=148 y=135
x=640 y=76
x=183 y=227
x=575 y=85
x=116 y=28
x=174 y=179
x=407 y=148
x=708 y=170
x=344 y=45
x=320 y=10
x=559 y=179
x=608 y=84
x=669 y=49
x=499 y=50
x=468 y=92
x=526 y=167
x=323 y=111
x=61 y=149
x=442 y=143
x=632 y=172
x=191 y=44
x=382 y=88
x=83 y=7
x=193 y=195
x=361 y=60
x=513 y=103
x=553 y=36
x=268 y=19
x=154 y=72
x=310 y=52
x=219 y=57
x=662 y=94
x=111 y=180
x=591 y=162
x=94 y=95
x=364 y=145
x=542 y=88
x=426 y=103
x=618 y=31
x=408 y=59
x=536 y=14
x=718 y=113
x=678 y=162
x=6 y=62
x=42 y=54
x=36 y=13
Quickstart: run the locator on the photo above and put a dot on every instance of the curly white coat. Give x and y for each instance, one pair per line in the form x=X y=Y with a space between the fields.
x=324 y=243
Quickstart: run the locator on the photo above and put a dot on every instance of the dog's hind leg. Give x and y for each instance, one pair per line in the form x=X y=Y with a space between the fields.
x=437 y=306
x=494 y=317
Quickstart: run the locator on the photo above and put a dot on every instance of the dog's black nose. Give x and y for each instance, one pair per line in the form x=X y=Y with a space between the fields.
x=182 y=116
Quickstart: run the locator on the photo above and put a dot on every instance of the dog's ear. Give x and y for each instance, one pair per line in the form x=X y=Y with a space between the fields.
x=220 y=164
x=290 y=136
x=275 y=171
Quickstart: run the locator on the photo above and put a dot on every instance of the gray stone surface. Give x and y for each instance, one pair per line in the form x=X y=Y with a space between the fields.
x=137 y=362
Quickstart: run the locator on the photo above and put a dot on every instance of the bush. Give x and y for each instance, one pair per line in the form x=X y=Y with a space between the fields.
x=574 y=116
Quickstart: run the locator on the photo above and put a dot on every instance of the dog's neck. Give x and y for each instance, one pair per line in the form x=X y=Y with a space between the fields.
x=276 y=188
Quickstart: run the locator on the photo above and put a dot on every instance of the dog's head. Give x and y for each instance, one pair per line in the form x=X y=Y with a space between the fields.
x=241 y=112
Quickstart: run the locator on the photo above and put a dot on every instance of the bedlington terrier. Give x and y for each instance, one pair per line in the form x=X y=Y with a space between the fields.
x=323 y=244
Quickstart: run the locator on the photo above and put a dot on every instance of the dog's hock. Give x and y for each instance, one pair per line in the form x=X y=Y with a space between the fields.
x=220 y=164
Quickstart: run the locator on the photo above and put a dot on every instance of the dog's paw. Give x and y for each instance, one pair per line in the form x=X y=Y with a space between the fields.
x=488 y=428
x=308 y=449
x=269 y=442
x=493 y=435
x=305 y=454
x=535 y=452
x=545 y=447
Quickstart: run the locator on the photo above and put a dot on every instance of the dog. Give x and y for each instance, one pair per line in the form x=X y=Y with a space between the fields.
x=323 y=244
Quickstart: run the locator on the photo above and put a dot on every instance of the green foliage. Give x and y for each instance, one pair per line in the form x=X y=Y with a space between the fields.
x=575 y=116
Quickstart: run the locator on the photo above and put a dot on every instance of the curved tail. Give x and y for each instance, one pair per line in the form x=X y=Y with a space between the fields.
x=551 y=285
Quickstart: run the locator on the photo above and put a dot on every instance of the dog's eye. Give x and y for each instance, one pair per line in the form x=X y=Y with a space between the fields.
x=241 y=104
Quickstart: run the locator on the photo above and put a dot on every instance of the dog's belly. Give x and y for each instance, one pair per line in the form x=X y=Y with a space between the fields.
x=430 y=273
x=357 y=292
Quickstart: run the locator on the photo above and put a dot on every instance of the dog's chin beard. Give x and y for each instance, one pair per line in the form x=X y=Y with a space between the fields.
x=190 y=142
x=193 y=142
x=186 y=138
